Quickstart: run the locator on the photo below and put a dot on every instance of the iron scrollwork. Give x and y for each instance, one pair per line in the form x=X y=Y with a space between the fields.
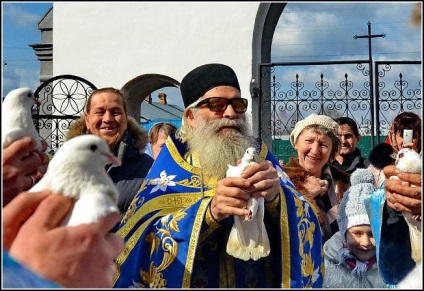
x=62 y=100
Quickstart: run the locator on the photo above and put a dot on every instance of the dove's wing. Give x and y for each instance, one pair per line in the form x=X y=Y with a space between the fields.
x=90 y=208
x=10 y=135
x=13 y=134
x=233 y=171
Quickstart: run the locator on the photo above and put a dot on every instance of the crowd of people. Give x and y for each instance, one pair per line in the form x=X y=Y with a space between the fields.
x=333 y=217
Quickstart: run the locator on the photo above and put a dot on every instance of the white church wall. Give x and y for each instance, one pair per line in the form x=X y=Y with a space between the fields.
x=111 y=43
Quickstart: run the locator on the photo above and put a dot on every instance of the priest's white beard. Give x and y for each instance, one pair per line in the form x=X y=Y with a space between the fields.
x=216 y=149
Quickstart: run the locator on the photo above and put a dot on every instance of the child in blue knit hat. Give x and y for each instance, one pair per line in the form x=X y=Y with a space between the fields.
x=350 y=254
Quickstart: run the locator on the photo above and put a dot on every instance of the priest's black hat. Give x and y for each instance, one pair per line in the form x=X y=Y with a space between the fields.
x=200 y=80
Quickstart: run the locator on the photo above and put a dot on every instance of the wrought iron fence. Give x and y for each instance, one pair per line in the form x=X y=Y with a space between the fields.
x=290 y=92
x=62 y=100
x=396 y=96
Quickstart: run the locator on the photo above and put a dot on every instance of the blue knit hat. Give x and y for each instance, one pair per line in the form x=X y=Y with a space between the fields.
x=352 y=211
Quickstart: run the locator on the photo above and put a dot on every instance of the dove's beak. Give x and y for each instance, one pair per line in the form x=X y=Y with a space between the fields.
x=36 y=101
x=114 y=160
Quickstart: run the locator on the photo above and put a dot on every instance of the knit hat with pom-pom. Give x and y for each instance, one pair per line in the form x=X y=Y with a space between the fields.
x=352 y=210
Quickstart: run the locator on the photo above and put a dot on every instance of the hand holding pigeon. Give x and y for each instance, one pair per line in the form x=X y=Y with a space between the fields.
x=410 y=161
x=248 y=238
x=78 y=170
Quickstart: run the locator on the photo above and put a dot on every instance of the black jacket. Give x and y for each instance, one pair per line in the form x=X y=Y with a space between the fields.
x=352 y=162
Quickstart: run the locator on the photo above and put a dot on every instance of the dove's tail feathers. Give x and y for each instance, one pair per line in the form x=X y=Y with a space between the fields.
x=255 y=250
x=415 y=236
x=235 y=247
x=248 y=240
x=263 y=247
x=259 y=251
x=259 y=246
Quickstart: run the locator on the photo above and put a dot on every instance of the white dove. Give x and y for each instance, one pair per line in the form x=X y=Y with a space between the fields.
x=248 y=238
x=78 y=170
x=410 y=161
x=16 y=118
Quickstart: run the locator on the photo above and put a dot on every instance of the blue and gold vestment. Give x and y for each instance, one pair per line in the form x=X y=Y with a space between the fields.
x=172 y=241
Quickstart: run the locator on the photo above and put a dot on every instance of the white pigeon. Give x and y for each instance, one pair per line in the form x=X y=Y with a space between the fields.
x=410 y=161
x=16 y=118
x=78 y=170
x=248 y=238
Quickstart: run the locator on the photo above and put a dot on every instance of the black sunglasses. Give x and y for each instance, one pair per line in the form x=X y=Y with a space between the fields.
x=220 y=104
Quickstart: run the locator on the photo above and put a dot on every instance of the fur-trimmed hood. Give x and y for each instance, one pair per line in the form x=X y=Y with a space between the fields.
x=139 y=134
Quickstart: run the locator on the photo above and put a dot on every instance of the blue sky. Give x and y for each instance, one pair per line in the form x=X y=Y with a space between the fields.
x=324 y=31
x=20 y=67
x=313 y=31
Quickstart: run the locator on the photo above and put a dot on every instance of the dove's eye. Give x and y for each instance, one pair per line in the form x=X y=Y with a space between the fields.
x=29 y=95
x=93 y=148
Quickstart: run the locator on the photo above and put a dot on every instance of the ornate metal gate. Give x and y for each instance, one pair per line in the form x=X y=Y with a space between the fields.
x=288 y=96
x=62 y=100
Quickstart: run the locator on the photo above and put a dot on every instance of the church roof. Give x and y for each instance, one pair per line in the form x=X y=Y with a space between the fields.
x=156 y=111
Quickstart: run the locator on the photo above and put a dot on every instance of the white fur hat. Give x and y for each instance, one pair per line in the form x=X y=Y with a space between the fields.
x=313 y=119
x=352 y=211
